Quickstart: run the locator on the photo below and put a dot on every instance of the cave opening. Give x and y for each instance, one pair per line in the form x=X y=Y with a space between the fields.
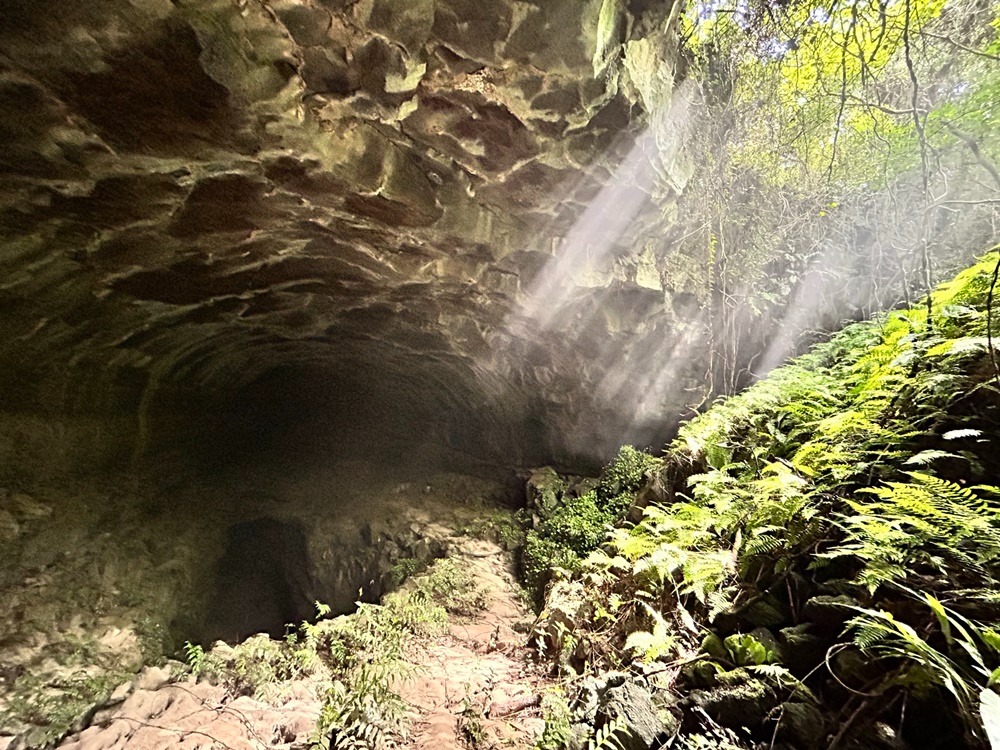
x=261 y=583
x=298 y=418
x=315 y=475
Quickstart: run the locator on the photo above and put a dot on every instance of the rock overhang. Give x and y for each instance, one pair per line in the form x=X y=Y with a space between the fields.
x=199 y=195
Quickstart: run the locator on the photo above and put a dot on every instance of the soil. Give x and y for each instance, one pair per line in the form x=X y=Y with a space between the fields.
x=473 y=686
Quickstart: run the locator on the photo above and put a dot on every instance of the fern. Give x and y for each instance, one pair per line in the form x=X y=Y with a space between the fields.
x=607 y=737
x=195 y=655
x=654 y=644
x=960 y=669
x=925 y=522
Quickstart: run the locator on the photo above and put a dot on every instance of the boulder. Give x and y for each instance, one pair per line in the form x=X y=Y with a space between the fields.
x=802 y=724
x=740 y=701
x=829 y=613
x=25 y=507
x=9 y=527
x=641 y=725
x=544 y=489
x=565 y=608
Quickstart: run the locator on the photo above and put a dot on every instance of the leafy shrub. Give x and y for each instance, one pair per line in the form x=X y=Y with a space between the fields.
x=573 y=527
x=540 y=556
x=622 y=478
x=805 y=484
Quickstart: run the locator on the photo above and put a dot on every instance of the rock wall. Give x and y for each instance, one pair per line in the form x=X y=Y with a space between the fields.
x=199 y=194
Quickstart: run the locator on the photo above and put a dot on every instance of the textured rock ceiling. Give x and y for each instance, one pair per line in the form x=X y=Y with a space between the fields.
x=201 y=195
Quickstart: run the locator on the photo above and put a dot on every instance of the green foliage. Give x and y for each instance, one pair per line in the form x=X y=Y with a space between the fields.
x=959 y=666
x=924 y=524
x=496 y=525
x=607 y=737
x=572 y=527
x=540 y=557
x=805 y=484
x=195 y=655
x=622 y=478
x=452 y=586
x=746 y=651
x=52 y=714
x=556 y=714
x=579 y=525
x=655 y=643
x=830 y=137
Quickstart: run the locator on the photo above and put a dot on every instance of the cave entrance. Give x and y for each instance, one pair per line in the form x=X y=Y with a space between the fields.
x=262 y=582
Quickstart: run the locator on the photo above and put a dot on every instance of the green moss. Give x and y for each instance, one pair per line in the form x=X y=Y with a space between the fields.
x=579 y=525
x=452 y=587
x=500 y=526
x=539 y=557
x=626 y=474
x=572 y=527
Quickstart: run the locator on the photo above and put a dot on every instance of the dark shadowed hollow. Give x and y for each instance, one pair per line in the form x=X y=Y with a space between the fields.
x=261 y=583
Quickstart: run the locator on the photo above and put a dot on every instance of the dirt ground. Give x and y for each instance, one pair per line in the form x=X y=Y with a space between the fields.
x=475 y=685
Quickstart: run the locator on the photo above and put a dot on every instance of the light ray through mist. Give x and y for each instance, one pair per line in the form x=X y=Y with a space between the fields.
x=633 y=372
x=591 y=242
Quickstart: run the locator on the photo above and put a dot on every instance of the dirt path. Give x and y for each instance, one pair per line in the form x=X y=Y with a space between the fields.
x=474 y=686
x=473 y=680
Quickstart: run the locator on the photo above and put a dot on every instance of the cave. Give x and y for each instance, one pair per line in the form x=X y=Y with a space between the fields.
x=303 y=301
x=260 y=583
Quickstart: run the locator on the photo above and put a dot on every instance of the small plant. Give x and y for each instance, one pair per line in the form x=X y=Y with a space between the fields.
x=471 y=724
x=195 y=655
x=556 y=714
x=653 y=644
x=607 y=737
x=569 y=527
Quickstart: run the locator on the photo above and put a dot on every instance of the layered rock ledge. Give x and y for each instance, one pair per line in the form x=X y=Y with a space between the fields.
x=221 y=202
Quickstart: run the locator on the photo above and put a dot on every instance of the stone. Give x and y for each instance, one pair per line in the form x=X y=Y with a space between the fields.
x=9 y=527
x=829 y=613
x=801 y=650
x=153 y=678
x=580 y=735
x=803 y=724
x=367 y=194
x=745 y=702
x=120 y=693
x=714 y=646
x=766 y=638
x=642 y=724
x=769 y=611
x=565 y=607
x=544 y=489
x=25 y=507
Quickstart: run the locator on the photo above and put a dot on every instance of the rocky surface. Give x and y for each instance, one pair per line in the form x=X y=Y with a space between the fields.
x=466 y=680
x=97 y=581
x=199 y=194
x=479 y=685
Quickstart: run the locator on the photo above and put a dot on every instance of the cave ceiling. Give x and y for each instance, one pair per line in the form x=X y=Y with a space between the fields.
x=197 y=192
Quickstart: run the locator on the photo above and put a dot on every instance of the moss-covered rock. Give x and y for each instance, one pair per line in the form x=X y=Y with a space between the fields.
x=742 y=702
x=571 y=520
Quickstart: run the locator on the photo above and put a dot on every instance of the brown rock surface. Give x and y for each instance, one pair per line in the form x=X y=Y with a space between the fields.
x=200 y=196
x=479 y=662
